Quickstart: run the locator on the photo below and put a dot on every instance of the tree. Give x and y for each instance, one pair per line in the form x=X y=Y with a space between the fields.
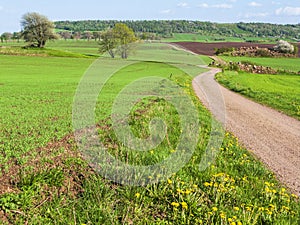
x=6 y=36
x=108 y=43
x=17 y=36
x=284 y=47
x=88 y=35
x=65 y=35
x=97 y=35
x=76 y=35
x=125 y=37
x=37 y=29
x=118 y=39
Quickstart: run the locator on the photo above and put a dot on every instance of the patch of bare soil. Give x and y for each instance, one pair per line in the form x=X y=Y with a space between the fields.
x=61 y=155
x=209 y=48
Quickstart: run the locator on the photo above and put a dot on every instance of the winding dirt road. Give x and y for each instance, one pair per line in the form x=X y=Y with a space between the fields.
x=273 y=137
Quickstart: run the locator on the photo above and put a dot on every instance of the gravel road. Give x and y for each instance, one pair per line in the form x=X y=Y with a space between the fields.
x=272 y=136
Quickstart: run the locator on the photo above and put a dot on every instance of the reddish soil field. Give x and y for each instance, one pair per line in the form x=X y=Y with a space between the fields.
x=209 y=48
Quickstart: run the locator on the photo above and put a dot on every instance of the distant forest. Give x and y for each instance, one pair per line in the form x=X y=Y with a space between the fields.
x=166 y=28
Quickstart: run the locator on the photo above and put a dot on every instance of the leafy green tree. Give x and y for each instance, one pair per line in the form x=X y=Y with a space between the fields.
x=17 y=36
x=6 y=36
x=37 y=29
x=119 y=39
x=108 y=43
x=125 y=37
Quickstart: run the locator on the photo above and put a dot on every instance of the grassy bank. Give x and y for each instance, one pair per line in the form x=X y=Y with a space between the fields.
x=45 y=180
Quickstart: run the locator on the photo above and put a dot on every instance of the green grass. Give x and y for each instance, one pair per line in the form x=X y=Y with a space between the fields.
x=288 y=64
x=44 y=52
x=187 y=37
x=53 y=185
x=200 y=38
x=281 y=92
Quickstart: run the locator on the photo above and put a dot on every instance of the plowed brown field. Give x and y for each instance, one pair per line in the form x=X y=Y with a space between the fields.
x=209 y=48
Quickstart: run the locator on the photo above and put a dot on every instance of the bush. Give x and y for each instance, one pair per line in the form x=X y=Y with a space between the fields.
x=284 y=47
x=223 y=50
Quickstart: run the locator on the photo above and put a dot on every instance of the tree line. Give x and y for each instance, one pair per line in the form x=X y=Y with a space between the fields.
x=166 y=28
x=158 y=29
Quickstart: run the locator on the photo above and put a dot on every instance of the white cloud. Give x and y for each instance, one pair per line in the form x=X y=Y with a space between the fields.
x=276 y=3
x=255 y=4
x=255 y=15
x=222 y=6
x=219 y=6
x=288 y=11
x=203 y=5
x=166 y=11
x=182 y=4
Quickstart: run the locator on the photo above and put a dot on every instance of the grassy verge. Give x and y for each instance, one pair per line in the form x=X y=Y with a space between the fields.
x=44 y=52
x=48 y=182
x=282 y=64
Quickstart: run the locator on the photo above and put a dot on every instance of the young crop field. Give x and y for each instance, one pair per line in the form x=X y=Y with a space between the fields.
x=277 y=91
x=283 y=64
x=45 y=179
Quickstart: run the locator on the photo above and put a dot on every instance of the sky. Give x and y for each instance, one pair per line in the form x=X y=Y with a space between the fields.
x=226 y=11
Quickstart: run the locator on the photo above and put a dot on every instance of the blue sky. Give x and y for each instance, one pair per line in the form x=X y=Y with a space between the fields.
x=274 y=11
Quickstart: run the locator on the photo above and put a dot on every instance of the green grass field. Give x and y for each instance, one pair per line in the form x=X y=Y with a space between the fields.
x=277 y=91
x=184 y=37
x=288 y=64
x=45 y=181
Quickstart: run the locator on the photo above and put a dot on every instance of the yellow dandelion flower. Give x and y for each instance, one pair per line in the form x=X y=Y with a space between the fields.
x=284 y=208
x=236 y=209
x=169 y=181
x=268 y=184
x=206 y=184
x=222 y=215
x=184 y=205
x=239 y=223
x=175 y=204
x=294 y=196
x=230 y=220
x=179 y=191
x=233 y=223
x=214 y=209
x=195 y=186
x=137 y=195
x=188 y=192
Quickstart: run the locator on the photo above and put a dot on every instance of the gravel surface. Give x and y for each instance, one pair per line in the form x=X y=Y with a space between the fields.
x=273 y=137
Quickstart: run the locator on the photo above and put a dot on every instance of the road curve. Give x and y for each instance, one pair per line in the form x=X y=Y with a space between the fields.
x=272 y=136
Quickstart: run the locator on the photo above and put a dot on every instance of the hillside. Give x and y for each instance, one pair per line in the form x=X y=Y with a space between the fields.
x=168 y=27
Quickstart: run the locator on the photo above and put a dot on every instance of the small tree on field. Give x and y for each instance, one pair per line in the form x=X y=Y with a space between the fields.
x=118 y=39
x=6 y=36
x=284 y=47
x=108 y=43
x=125 y=37
x=37 y=29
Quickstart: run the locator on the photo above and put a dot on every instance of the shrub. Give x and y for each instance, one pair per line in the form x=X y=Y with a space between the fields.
x=284 y=47
x=223 y=50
